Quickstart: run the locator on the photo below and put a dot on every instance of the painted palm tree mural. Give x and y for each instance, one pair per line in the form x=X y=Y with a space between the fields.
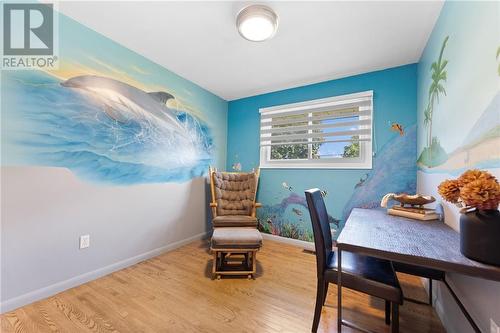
x=434 y=154
x=498 y=58
x=476 y=144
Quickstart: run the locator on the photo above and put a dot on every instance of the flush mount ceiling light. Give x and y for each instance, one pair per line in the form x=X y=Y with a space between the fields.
x=257 y=23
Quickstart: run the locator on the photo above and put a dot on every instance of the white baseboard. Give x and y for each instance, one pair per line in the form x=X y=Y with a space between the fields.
x=295 y=242
x=436 y=301
x=448 y=310
x=438 y=306
x=36 y=295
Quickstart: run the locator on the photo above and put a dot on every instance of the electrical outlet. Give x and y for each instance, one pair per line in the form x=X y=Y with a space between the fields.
x=494 y=328
x=84 y=241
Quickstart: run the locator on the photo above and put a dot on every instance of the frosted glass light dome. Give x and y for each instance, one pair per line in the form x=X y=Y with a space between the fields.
x=257 y=23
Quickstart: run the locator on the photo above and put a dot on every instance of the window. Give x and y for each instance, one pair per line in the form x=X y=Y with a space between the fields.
x=332 y=132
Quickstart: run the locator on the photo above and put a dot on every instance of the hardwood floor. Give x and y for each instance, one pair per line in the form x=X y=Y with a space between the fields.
x=174 y=293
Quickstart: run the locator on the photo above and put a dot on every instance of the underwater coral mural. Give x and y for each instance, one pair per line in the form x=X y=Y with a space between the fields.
x=394 y=170
x=109 y=115
x=290 y=218
x=286 y=218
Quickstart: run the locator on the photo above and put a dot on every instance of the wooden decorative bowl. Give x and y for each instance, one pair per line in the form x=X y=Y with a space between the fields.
x=414 y=200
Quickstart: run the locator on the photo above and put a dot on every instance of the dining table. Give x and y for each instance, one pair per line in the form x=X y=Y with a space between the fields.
x=431 y=244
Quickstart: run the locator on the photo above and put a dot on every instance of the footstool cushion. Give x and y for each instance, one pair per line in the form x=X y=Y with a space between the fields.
x=234 y=221
x=236 y=238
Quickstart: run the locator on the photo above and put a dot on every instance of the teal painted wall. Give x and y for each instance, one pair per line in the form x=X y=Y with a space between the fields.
x=395 y=100
x=465 y=130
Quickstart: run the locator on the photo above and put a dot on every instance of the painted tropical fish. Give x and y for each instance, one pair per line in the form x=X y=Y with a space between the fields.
x=297 y=211
x=286 y=186
x=398 y=128
x=236 y=166
x=362 y=181
x=333 y=220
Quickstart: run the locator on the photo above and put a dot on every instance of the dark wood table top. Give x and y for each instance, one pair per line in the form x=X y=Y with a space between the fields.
x=431 y=244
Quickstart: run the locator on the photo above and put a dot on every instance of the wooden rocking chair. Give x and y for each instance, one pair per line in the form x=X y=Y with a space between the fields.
x=233 y=198
x=235 y=240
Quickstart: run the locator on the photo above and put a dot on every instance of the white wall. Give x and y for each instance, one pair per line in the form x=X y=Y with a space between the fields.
x=45 y=210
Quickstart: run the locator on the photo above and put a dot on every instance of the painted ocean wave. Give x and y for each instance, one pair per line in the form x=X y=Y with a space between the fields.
x=49 y=124
x=394 y=171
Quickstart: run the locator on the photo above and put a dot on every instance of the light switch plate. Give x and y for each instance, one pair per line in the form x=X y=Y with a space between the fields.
x=494 y=328
x=84 y=241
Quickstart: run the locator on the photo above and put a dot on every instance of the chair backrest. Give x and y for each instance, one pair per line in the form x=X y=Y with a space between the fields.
x=234 y=192
x=321 y=228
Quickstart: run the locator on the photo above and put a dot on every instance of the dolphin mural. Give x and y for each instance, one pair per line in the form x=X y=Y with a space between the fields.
x=123 y=102
x=102 y=130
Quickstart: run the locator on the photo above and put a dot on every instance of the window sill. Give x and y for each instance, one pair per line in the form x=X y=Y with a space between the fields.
x=321 y=167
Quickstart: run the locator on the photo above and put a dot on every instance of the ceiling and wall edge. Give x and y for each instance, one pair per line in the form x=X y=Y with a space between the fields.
x=202 y=45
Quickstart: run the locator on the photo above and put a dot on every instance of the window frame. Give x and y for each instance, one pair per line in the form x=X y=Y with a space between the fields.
x=364 y=161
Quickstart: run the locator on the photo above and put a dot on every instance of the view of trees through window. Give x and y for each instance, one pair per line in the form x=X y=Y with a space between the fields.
x=316 y=150
x=291 y=152
x=352 y=150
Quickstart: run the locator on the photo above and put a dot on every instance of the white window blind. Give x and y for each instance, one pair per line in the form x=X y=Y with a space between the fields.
x=311 y=133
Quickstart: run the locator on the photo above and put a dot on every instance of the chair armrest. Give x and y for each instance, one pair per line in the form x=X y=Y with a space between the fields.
x=258 y=205
x=213 y=204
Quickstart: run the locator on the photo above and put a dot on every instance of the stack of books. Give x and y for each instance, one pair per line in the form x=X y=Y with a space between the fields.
x=418 y=213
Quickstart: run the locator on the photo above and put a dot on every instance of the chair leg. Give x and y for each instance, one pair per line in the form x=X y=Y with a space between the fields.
x=254 y=262
x=430 y=292
x=325 y=292
x=214 y=264
x=387 y=312
x=319 y=305
x=395 y=318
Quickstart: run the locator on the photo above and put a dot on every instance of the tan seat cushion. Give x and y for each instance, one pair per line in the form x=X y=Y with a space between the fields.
x=236 y=238
x=234 y=221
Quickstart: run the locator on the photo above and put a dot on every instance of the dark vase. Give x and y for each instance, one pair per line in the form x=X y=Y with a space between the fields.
x=480 y=236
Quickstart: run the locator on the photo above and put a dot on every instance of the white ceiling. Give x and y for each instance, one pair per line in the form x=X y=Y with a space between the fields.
x=316 y=41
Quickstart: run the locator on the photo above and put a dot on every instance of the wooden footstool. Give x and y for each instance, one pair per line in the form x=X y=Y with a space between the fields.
x=235 y=251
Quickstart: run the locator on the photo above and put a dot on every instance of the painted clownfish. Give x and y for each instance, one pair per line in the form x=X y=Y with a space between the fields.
x=398 y=128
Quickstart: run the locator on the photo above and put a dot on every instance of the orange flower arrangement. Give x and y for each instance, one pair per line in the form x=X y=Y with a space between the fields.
x=482 y=193
x=450 y=190
x=473 y=174
x=474 y=188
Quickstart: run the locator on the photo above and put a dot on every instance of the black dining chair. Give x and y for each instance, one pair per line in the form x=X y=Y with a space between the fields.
x=369 y=275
